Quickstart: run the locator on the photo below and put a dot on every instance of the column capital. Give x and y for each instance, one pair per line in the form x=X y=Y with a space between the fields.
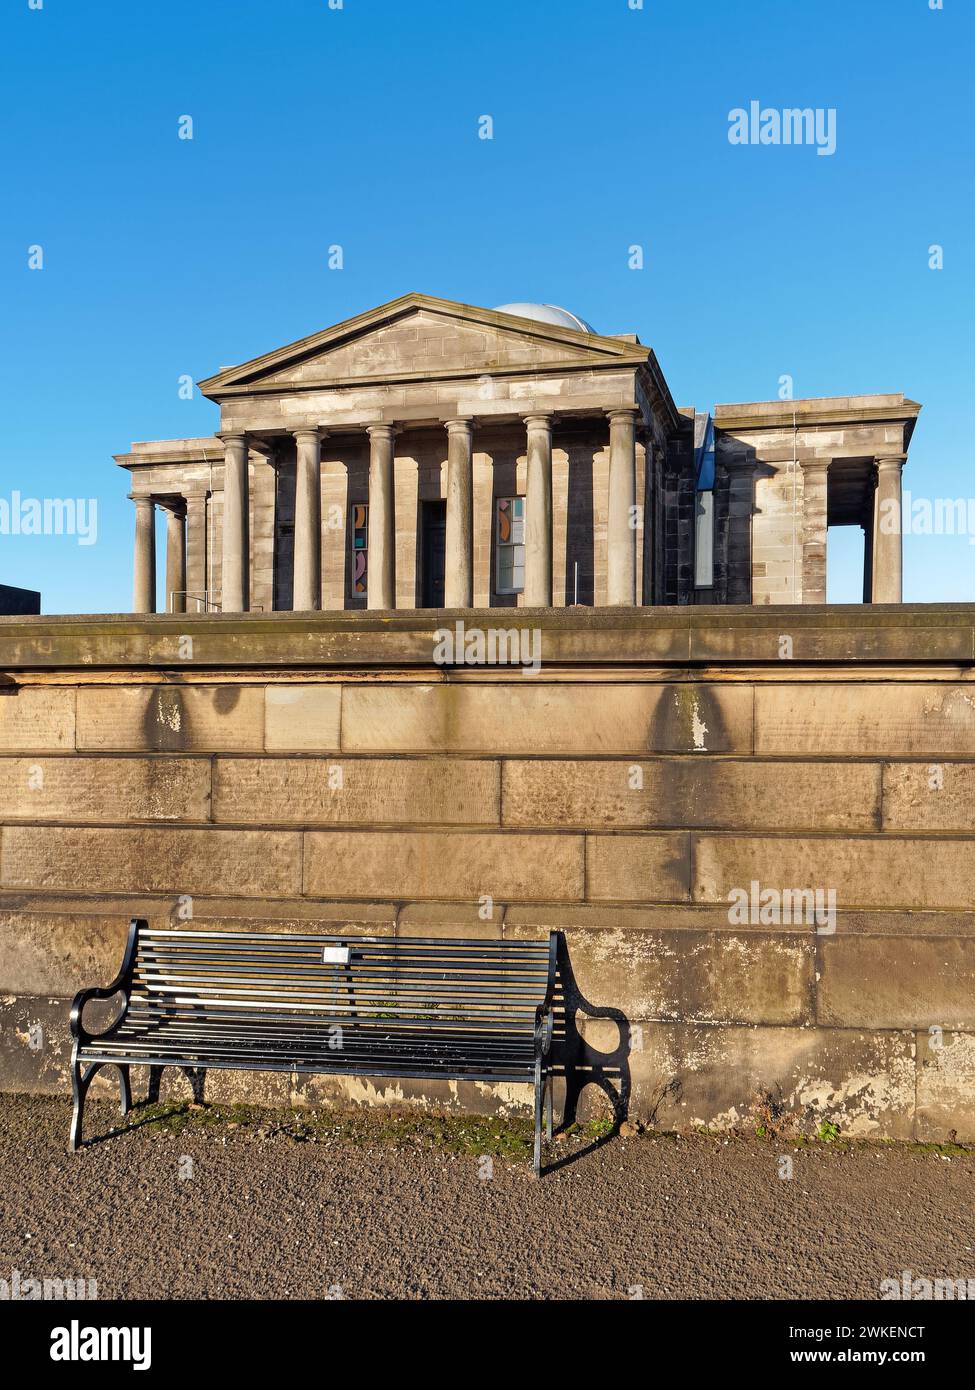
x=381 y=429
x=142 y=499
x=891 y=460
x=461 y=424
x=538 y=419
x=815 y=465
x=310 y=432
x=623 y=412
x=233 y=437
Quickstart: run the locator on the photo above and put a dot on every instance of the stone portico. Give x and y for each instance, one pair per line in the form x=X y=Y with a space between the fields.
x=432 y=454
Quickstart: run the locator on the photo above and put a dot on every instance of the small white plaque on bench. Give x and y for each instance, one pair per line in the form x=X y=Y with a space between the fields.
x=335 y=955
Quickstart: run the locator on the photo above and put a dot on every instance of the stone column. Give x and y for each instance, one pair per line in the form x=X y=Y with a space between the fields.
x=308 y=521
x=538 y=513
x=144 y=588
x=381 y=565
x=176 y=559
x=868 y=527
x=648 y=559
x=235 y=596
x=459 y=574
x=620 y=531
x=887 y=536
x=196 y=551
x=813 y=537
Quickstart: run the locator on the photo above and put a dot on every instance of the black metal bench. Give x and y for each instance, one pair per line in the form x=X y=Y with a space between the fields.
x=414 y=1007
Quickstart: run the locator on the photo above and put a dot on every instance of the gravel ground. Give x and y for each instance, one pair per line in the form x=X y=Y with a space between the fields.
x=271 y=1207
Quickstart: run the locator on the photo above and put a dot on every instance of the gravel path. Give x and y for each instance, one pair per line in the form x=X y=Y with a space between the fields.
x=261 y=1212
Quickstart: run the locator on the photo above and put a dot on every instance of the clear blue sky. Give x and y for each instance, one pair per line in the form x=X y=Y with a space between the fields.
x=358 y=126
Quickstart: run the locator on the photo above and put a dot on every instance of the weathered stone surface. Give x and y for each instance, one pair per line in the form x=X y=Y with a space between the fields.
x=460 y=866
x=537 y=919
x=935 y=719
x=105 y=789
x=154 y=861
x=271 y=1088
x=870 y=871
x=171 y=718
x=532 y=717
x=815 y=631
x=688 y=976
x=726 y=1009
x=945 y=1087
x=907 y=982
x=451 y=919
x=637 y=868
x=302 y=718
x=731 y=793
x=208 y=911
x=684 y=1076
x=346 y=790
x=35 y=1046
x=739 y=635
x=463 y=1097
x=37 y=718
x=929 y=796
x=53 y=953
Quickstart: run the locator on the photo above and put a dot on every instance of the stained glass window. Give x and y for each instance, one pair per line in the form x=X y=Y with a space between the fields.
x=360 y=547
x=510 y=544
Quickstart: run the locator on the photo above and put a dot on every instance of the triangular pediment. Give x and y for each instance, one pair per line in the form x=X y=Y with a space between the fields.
x=419 y=336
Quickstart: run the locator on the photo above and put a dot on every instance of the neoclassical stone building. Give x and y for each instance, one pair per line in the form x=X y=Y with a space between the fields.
x=431 y=454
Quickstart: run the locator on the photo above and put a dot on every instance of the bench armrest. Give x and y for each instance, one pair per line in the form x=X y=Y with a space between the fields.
x=544 y=1028
x=545 y=1013
x=78 y=1031
x=120 y=985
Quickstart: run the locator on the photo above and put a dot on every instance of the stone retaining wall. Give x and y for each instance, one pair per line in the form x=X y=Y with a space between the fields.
x=319 y=772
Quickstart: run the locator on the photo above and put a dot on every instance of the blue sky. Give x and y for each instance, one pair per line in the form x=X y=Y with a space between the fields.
x=358 y=126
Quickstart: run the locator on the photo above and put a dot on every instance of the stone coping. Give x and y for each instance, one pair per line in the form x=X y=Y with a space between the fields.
x=913 y=634
x=458 y=918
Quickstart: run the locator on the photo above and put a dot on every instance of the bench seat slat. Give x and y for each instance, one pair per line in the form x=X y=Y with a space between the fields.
x=323 y=1015
x=340 y=1067
x=364 y=980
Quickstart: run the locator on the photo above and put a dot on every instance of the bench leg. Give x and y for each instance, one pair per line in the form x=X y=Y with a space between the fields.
x=548 y=1109
x=80 y=1081
x=124 y=1089
x=538 y=1121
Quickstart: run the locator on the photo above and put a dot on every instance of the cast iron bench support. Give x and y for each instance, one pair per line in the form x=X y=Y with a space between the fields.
x=402 y=1007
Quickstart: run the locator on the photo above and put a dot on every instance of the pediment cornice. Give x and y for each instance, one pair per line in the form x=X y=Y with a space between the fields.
x=554 y=348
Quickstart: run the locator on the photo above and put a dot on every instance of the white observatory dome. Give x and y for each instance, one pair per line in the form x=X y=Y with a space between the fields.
x=546 y=313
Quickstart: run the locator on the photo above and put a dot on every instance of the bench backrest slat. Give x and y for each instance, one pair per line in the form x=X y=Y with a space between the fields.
x=239 y=978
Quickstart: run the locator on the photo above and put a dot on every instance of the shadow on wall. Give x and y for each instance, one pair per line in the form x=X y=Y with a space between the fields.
x=576 y=1060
